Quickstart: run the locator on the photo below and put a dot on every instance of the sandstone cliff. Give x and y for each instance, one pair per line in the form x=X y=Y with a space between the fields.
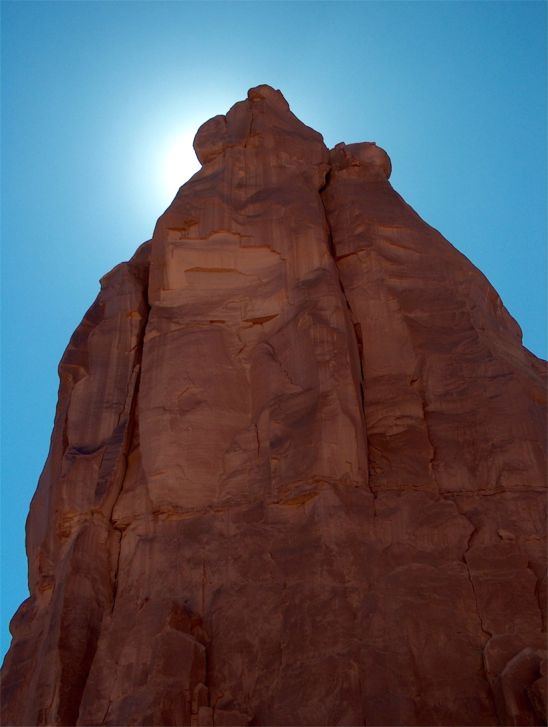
x=297 y=471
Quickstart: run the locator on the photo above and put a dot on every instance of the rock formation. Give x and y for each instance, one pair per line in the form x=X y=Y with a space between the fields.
x=297 y=473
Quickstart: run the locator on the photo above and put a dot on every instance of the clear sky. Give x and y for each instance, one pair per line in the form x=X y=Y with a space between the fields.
x=100 y=98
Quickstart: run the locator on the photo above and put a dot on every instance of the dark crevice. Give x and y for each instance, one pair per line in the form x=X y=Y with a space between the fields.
x=338 y=258
x=326 y=181
x=359 y=342
x=128 y=439
x=538 y=594
x=116 y=569
x=485 y=631
x=431 y=464
x=129 y=434
x=356 y=327
x=487 y=634
x=64 y=432
x=355 y=324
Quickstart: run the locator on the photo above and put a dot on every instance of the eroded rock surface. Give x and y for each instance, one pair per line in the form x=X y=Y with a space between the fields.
x=297 y=470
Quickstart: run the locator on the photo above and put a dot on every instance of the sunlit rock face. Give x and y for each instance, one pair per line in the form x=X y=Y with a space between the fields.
x=296 y=474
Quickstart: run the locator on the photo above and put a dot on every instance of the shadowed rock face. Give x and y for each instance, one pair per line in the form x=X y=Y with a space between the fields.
x=296 y=473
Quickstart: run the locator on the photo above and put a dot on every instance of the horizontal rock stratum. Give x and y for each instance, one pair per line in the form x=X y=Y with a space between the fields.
x=297 y=473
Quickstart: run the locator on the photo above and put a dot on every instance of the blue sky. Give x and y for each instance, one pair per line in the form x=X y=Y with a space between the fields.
x=97 y=95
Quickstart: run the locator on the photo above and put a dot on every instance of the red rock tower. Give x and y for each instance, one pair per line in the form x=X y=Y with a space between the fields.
x=297 y=471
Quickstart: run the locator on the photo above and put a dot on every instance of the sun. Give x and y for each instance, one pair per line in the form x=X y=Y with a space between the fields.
x=180 y=161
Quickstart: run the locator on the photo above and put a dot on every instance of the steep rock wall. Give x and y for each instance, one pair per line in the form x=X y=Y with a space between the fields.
x=296 y=474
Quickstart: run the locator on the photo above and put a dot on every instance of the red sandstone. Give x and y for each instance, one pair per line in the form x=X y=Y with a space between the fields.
x=297 y=470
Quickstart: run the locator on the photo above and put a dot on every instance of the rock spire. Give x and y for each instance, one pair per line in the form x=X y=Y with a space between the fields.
x=297 y=471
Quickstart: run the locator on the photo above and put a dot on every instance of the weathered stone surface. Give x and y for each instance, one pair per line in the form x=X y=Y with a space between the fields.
x=436 y=341
x=296 y=475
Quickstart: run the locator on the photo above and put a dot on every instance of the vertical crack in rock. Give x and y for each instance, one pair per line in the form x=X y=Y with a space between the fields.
x=427 y=427
x=473 y=535
x=539 y=592
x=128 y=422
x=483 y=627
x=133 y=397
x=354 y=331
x=485 y=631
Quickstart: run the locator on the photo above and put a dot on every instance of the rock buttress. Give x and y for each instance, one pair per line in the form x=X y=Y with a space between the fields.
x=72 y=544
x=455 y=413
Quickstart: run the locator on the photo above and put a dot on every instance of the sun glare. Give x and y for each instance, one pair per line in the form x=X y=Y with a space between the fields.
x=180 y=161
